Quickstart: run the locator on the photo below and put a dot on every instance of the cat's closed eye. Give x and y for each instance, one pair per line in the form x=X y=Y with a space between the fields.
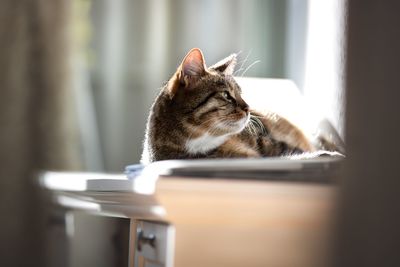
x=227 y=96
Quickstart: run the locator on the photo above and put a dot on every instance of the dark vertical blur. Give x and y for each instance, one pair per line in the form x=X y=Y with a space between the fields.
x=369 y=222
x=37 y=128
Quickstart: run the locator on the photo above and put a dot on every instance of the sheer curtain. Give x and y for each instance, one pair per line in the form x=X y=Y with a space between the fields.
x=324 y=59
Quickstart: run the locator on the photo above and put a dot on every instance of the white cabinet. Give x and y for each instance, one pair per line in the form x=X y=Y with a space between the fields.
x=211 y=222
x=153 y=244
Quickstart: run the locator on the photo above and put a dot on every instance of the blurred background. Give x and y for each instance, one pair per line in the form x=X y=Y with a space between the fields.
x=129 y=48
x=77 y=79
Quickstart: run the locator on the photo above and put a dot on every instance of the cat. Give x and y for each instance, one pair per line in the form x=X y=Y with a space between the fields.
x=200 y=113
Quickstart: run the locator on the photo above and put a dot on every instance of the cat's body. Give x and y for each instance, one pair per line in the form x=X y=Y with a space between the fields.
x=200 y=114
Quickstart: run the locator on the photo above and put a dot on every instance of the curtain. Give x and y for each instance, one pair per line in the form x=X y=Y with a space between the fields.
x=38 y=129
x=368 y=227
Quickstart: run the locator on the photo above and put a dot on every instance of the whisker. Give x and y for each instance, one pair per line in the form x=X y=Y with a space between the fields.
x=250 y=127
x=261 y=126
x=238 y=53
x=256 y=126
x=236 y=71
x=256 y=116
x=200 y=125
x=243 y=62
x=222 y=121
x=251 y=65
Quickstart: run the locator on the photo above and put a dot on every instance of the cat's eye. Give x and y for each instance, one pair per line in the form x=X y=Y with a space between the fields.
x=228 y=96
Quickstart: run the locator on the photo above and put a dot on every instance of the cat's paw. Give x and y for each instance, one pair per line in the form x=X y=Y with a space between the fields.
x=318 y=154
x=325 y=153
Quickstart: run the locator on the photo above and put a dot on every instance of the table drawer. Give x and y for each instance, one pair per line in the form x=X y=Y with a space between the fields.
x=154 y=244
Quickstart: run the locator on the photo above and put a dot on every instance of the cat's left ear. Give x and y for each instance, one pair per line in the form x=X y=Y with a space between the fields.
x=227 y=65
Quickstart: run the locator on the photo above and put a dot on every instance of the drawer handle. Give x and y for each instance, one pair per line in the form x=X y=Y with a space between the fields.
x=145 y=239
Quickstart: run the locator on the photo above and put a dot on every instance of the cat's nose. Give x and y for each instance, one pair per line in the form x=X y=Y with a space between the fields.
x=242 y=105
x=245 y=107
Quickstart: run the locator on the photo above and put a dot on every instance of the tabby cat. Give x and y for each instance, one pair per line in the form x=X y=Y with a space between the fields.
x=200 y=114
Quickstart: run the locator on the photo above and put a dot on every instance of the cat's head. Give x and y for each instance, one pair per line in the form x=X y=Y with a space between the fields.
x=207 y=98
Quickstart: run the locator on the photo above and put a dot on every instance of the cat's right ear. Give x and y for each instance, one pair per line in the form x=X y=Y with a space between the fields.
x=193 y=65
x=192 y=68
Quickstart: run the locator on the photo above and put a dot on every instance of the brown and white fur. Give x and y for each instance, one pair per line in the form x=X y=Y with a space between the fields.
x=200 y=114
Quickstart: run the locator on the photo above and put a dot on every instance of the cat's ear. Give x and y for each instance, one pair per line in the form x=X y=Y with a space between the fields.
x=193 y=67
x=227 y=65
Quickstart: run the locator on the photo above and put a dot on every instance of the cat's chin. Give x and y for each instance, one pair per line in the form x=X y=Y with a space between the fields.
x=243 y=123
x=238 y=126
